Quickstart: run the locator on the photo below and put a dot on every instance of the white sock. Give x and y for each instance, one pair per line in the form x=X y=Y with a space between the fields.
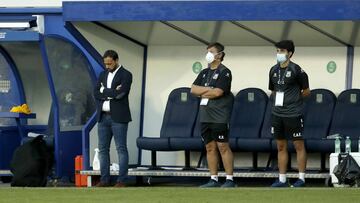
x=230 y=177
x=282 y=178
x=302 y=176
x=214 y=177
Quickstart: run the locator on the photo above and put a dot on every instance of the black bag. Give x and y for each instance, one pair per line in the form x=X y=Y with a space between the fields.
x=347 y=171
x=31 y=164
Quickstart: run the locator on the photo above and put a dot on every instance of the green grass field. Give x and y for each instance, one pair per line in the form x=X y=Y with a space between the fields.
x=179 y=194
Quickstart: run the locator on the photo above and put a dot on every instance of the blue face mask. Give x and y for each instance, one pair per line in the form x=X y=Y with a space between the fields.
x=281 y=58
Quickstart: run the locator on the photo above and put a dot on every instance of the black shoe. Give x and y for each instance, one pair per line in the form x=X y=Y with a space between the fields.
x=229 y=183
x=211 y=183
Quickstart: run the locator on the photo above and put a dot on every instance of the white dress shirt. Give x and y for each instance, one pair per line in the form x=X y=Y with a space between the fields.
x=110 y=77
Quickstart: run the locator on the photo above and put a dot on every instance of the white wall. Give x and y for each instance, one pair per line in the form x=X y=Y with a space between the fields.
x=131 y=57
x=356 y=70
x=314 y=61
x=171 y=67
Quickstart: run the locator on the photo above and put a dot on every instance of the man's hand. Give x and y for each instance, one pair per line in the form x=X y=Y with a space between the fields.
x=102 y=88
x=305 y=92
x=213 y=93
x=118 y=87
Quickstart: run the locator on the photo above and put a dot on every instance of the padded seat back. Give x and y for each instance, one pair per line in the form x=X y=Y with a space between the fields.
x=248 y=113
x=180 y=114
x=346 y=118
x=266 y=127
x=318 y=113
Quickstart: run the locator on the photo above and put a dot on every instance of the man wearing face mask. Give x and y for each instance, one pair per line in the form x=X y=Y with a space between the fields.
x=113 y=115
x=289 y=85
x=213 y=85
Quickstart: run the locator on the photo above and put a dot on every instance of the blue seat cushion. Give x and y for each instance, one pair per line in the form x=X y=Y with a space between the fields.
x=254 y=144
x=153 y=143
x=320 y=145
x=189 y=143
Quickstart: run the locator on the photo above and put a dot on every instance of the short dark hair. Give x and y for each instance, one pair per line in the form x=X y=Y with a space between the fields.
x=286 y=44
x=219 y=47
x=112 y=54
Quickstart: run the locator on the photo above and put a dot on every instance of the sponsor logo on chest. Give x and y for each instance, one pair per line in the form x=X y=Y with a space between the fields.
x=216 y=76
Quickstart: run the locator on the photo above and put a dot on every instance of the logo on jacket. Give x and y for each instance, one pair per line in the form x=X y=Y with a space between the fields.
x=297 y=135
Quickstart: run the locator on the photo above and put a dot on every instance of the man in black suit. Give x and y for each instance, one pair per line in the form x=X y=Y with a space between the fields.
x=113 y=115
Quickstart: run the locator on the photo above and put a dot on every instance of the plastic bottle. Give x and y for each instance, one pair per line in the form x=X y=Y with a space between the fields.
x=337 y=145
x=347 y=144
x=96 y=161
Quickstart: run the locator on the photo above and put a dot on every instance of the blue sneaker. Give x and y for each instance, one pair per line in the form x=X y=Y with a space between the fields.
x=211 y=183
x=277 y=183
x=299 y=183
x=229 y=183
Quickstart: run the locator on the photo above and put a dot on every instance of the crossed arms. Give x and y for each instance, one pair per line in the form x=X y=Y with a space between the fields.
x=103 y=93
x=206 y=92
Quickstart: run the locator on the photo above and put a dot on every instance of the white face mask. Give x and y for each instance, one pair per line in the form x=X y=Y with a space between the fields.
x=281 y=58
x=210 y=57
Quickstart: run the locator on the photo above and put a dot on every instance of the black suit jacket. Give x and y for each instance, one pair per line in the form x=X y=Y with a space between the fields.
x=119 y=104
